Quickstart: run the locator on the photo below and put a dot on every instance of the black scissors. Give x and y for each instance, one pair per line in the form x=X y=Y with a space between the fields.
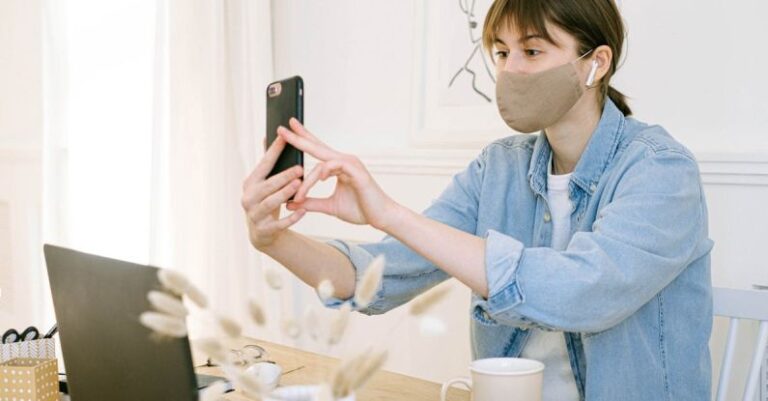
x=29 y=334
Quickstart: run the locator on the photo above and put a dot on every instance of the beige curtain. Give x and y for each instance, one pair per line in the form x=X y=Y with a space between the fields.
x=218 y=61
x=154 y=116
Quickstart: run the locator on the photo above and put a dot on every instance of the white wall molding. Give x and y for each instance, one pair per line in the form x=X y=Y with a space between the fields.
x=734 y=169
x=716 y=168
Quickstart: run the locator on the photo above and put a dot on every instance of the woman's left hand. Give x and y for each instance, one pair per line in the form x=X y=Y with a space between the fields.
x=357 y=198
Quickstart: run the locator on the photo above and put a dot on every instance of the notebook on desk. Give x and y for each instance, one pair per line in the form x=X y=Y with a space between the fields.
x=108 y=354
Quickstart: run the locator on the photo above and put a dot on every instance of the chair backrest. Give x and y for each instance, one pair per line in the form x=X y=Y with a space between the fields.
x=737 y=305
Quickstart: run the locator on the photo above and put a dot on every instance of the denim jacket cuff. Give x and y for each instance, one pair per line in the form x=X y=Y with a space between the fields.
x=360 y=259
x=502 y=256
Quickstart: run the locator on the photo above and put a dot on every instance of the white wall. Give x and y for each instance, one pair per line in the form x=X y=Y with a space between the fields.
x=693 y=67
x=21 y=127
x=20 y=74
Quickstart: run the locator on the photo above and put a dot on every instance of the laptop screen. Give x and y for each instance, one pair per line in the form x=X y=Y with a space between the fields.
x=108 y=354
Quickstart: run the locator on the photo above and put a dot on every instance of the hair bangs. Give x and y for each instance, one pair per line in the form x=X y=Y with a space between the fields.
x=527 y=17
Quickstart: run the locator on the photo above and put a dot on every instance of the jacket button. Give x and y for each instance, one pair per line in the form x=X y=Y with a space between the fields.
x=547 y=217
x=593 y=187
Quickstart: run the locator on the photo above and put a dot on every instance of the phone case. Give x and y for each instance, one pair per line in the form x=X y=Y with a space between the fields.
x=280 y=108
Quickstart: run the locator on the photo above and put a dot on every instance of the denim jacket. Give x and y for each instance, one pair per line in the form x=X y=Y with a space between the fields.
x=631 y=292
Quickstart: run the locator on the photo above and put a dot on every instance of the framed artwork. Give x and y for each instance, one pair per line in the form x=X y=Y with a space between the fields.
x=454 y=99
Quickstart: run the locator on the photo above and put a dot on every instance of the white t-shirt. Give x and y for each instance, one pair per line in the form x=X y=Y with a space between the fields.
x=549 y=346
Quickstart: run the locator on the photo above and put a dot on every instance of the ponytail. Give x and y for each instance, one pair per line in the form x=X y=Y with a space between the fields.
x=619 y=100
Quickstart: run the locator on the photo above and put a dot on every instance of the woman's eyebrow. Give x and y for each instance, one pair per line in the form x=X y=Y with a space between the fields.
x=529 y=37
x=497 y=40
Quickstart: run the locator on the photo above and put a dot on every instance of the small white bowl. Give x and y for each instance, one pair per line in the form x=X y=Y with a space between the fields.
x=267 y=373
x=300 y=393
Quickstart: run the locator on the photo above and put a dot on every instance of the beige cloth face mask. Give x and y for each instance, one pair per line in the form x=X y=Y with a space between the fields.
x=532 y=102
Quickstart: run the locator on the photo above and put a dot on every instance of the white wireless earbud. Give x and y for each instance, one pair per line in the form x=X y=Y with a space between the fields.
x=592 y=72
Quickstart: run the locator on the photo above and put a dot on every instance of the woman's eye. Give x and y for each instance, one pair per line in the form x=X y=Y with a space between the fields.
x=532 y=52
x=501 y=54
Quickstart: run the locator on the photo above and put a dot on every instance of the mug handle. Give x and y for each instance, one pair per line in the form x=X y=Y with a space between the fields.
x=460 y=380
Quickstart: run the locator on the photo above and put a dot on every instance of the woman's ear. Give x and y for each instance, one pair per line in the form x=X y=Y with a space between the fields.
x=603 y=56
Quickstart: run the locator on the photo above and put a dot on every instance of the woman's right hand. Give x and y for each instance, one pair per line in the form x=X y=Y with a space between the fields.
x=263 y=196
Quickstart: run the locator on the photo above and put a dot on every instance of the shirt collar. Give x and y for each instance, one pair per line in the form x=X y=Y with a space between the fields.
x=600 y=149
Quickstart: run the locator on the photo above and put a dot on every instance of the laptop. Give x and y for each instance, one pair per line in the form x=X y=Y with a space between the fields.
x=108 y=353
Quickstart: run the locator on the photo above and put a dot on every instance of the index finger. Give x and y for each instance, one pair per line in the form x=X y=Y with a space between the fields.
x=299 y=128
x=267 y=163
x=317 y=150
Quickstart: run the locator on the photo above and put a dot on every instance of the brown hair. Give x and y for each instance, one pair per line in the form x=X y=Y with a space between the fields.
x=592 y=22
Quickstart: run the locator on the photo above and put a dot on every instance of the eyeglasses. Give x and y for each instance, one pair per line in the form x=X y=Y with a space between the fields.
x=244 y=356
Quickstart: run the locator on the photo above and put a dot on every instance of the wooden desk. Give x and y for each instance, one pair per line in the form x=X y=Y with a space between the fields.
x=383 y=386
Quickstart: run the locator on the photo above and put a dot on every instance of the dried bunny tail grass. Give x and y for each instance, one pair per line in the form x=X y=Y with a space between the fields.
x=249 y=385
x=426 y=301
x=167 y=303
x=214 y=392
x=342 y=377
x=354 y=372
x=180 y=285
x=215 y=350
x=195 y=295
x=339 y=324
x=164 y=325
x=371 y=364
x=226 y=326
x=325 y=289
x=274 y=279
x=347 y=375
x=257 y=313
x=370 y=282
x=291 y=328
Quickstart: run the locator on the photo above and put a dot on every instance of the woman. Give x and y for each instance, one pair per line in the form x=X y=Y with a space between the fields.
x=585 y=245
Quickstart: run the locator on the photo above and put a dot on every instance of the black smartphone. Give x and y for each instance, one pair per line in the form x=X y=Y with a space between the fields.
x=285 y=99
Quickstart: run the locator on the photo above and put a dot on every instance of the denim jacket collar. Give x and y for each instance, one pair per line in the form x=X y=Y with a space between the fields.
x=599 y=151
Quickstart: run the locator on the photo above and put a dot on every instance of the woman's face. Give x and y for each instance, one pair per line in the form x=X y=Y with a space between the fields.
x=524 y=53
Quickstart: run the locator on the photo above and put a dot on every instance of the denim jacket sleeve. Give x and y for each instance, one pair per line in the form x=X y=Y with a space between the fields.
x=651 y=229
x=406 y=273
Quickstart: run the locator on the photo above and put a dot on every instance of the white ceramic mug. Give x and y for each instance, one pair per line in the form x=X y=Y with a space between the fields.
x=501 y=379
